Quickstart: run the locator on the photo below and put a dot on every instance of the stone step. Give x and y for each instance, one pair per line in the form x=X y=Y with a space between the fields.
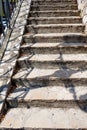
x=62 y=13
x=55 y=28
x=51 y=61
x=53 y=48
x=52 y=7
x=55 y=37
x=54 y=20
x=59 y=1
x=45 y=119
x=54 y=2
x=55 y=96
x=49 y=77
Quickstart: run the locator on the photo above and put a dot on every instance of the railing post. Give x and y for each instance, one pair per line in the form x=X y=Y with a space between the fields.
x=1 y=17
x=7 y=9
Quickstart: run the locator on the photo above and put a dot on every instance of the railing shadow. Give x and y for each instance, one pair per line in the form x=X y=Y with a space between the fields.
x=71 y=85
x=64 y=76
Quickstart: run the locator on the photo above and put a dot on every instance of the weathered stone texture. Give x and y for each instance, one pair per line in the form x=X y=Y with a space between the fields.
x=45 y=119
x=47 y=64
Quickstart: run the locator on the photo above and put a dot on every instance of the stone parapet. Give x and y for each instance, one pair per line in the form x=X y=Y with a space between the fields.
x=11 y=53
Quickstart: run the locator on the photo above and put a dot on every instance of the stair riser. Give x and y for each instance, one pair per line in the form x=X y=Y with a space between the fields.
x=52 y=39
x=49 y=2
x=52 y=64
x=53 y=14
x=55 y=0
x=60 y=1
x=41 y=82
x=55 y=21
x=53 y=50
x=44 y=8
x=47 y=103
x=56 y=29
x=52 y=3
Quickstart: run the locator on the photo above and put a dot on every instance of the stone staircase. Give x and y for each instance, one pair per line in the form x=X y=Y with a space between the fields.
x=49 y=85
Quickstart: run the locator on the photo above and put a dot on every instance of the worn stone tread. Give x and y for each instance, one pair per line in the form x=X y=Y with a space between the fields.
x=51 y=13
x=51 y=61
x=55 y=73
x=49 y=18
x=53 y=48
x=56 y=28
x=55 y=57
x=55 y=20
x=55 y=0
x=54 y=7
x=43 y=118
x=55 y=37
x=51 y=74
x=60 y=34
x=54 y=34
x=54 y=25
x=48 y=45
x=53 y=3
x=59 y=4
x=49 y=96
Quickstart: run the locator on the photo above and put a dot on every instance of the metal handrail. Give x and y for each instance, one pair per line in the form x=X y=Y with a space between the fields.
x=7 y=8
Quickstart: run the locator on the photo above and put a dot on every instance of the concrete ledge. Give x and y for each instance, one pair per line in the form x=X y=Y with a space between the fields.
x=11 y=53
x=9 y=31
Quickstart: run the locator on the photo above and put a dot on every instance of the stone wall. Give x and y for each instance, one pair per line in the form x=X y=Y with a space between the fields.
x=82 y=5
